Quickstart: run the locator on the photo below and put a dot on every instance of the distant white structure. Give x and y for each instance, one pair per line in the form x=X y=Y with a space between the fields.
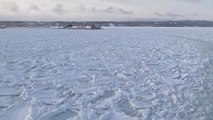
x=112 y=25
x=70 y=26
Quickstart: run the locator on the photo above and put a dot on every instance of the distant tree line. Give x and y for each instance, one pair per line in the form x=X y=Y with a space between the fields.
x=181 y=23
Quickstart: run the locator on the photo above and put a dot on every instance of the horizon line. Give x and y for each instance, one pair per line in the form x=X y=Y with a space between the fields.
x=101 y=20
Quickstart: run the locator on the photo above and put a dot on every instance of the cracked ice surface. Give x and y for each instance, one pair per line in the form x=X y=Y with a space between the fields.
x=111 y=74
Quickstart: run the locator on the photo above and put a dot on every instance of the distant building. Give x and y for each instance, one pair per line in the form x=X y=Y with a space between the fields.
x=94 y=26
x=68 y=26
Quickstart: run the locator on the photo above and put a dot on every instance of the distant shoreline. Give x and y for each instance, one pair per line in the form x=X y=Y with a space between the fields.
x=46 y=24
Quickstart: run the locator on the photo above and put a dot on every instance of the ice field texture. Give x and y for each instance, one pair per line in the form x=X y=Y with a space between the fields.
x=110 y=74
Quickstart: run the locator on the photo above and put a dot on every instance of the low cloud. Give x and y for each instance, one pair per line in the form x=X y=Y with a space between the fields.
x=116 y=10
x=158 y=14
x=82 y=7
x=34 y=8
x=190 y=1
x=120 y=1
x=58 y=9
x=194 y=14
x=168 y=15
x=11 y=6
x=174 y=15
x=109 y=10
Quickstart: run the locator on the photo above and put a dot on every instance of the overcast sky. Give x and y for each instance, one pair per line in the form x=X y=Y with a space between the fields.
x=84 y=10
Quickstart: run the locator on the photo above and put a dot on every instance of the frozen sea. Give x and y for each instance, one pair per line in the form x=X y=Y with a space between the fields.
x=110 y=74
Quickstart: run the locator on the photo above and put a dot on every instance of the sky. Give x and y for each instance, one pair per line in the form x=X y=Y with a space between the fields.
x=105 y=10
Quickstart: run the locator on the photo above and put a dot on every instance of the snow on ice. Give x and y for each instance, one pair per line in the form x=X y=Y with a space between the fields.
x=111 y=74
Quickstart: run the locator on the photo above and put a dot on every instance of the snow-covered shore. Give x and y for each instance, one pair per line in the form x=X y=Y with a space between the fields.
x=111 y=74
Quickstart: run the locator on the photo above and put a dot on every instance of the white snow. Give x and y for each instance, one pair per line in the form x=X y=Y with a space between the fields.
x=111 y=74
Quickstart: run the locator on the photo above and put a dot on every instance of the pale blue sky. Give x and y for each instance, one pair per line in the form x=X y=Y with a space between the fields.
x=71 y=10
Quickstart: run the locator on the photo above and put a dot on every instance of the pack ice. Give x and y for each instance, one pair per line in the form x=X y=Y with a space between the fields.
x=111 y=74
